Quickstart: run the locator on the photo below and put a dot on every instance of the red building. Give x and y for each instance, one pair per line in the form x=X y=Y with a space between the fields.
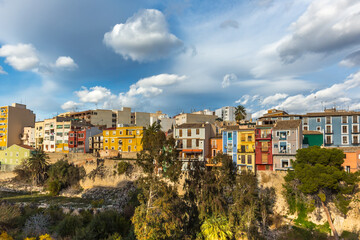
x=77 y=139
x=263 y=147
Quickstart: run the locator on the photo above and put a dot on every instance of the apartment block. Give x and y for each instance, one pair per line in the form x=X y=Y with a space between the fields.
x=263 y=147
x=14 y=156
x=28 y=136
x=194 y=118
x=123 y=139
x=140 y=119
x=230 y=141
x=96 y=143
x=193 y=140
x=13 y=119
x=79 y=139
x=102 y=117
x=215 y=148
x=226 y=113
x=287 y=138
x=246 y=148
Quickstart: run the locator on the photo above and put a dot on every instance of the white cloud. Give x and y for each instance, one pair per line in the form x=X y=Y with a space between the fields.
x=351 y=60
x=230 y=24
x=143 y=37
x=2 y=71
x=22 y=57
x=94 y=94
x=336 y=21
x=65 y=63
x=70 y=105
x=273 y=99
x=228 y=80
x=244 y=100
x=139 y=92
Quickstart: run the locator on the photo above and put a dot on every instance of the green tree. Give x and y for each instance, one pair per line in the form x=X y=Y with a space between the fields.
x=216 y=228
x=38 y=165
x=318 y=174
x=240 y=113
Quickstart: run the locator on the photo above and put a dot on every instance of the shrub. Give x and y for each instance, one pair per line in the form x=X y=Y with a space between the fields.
x=8 y=215
x=5 y=236
x=37 y=225
x=68 y=226
x=54 y=187
x=106 y=224
x=23 y=173
x=124 y=168
x=97 y=203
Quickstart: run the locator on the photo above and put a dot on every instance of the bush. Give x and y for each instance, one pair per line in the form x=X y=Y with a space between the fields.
x=37 y=225
x=105 y=224
x=8 y=215
x=54 y=187
x=124 y=168
x=68 y=226
x=23 y=173
x=97 y=203
x=67 y=174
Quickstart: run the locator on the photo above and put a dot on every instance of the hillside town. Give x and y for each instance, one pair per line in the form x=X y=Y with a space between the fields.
x=268 y=143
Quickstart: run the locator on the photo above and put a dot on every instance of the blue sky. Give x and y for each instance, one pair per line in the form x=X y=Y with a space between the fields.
x=174 y=56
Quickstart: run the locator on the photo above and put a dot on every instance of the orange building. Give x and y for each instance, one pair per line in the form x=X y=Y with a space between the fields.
x=352 y=159
x=215 y=148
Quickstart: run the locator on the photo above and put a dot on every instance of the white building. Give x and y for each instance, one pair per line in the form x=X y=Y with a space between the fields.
x=226 y=113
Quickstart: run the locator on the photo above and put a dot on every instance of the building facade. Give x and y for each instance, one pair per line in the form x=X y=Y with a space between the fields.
x=13 y=119
x=246 y=148
x=313 y=138
x=193 y=140
x=14 y=156
x=28 y=136
x=194 y=118
x=263 y=147
x=79 y=139
x=123 y=139
x=286 y=140
x=226 y=113
x=96 y=143
x=215 y=148
x=229 y=140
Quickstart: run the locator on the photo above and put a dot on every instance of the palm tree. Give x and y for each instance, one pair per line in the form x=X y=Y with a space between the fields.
x=38 y=166
x=240 y=113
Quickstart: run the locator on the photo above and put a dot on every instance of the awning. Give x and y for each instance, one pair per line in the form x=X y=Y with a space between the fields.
x=192 y=150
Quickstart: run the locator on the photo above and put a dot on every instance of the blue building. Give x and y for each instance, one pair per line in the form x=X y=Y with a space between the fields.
x=229 y=137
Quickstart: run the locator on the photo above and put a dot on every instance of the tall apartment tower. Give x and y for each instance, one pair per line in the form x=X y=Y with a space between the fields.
x=13 y=119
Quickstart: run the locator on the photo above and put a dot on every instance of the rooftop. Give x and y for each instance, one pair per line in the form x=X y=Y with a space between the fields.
x=307 y=132
x=287 y=124
x=192 y=125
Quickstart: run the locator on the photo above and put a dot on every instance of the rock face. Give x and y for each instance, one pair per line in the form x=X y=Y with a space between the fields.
x=113 y=197
x=351 y=222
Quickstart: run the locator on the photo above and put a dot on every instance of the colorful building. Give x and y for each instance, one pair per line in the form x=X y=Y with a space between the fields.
x=215 y=148
x=14 y=155
x=286 y=140
x=96 y=143
x=263 y=147
x=246 y=148
x=193 y=141
x=13 y=119
x=123 y=139
x=230 y=139
x=79 y=139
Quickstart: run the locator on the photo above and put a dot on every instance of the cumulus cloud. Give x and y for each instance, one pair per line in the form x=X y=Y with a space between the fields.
x=137 y=93
x=230 y=24
x=273 y=99
x=143 y=37
x=244 y=100
x=65 y=63
x=336 y=21
x=351 y=60
x=22 y=57
x=70 y=105
x=228 y=80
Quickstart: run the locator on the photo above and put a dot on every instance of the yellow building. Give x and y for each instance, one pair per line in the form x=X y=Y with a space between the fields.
x=246 y=149
x=13 y=119
x=123 y=139
x=14 y=155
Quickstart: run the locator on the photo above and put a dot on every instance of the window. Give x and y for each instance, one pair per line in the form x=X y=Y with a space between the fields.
x=264 y=158
x=242 y=159
x=355 y=139
x=347 y=169
x=189 y=132
x=344 y=129
x=328 y=129
x=71 y=135
x=106 y=148
x=328 y=120
x=129 y=148
x=284 y=163
x=106 y=140
x=113 y=148
x=112 y=140
x=130 y=140
x=197 y=142
x=355 y=119
x=249 y=159
x=355 y=128
x=188 y=143
x=318 y=128
x=305 y=128
x=137 y=132
x=345 y=140
x=230 y=136
x=114 y=133
x=328 y=140
x=318 y=119
x=180 y=132
x=107 y=132
x=344 y=119
x=197 y=131
x=214 y=153
x=249 y=138
x=264 y=146
x=120 y=132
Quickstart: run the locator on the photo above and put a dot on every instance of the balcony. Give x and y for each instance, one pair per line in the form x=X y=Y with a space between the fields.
x=250 y=150
x=263 y=136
